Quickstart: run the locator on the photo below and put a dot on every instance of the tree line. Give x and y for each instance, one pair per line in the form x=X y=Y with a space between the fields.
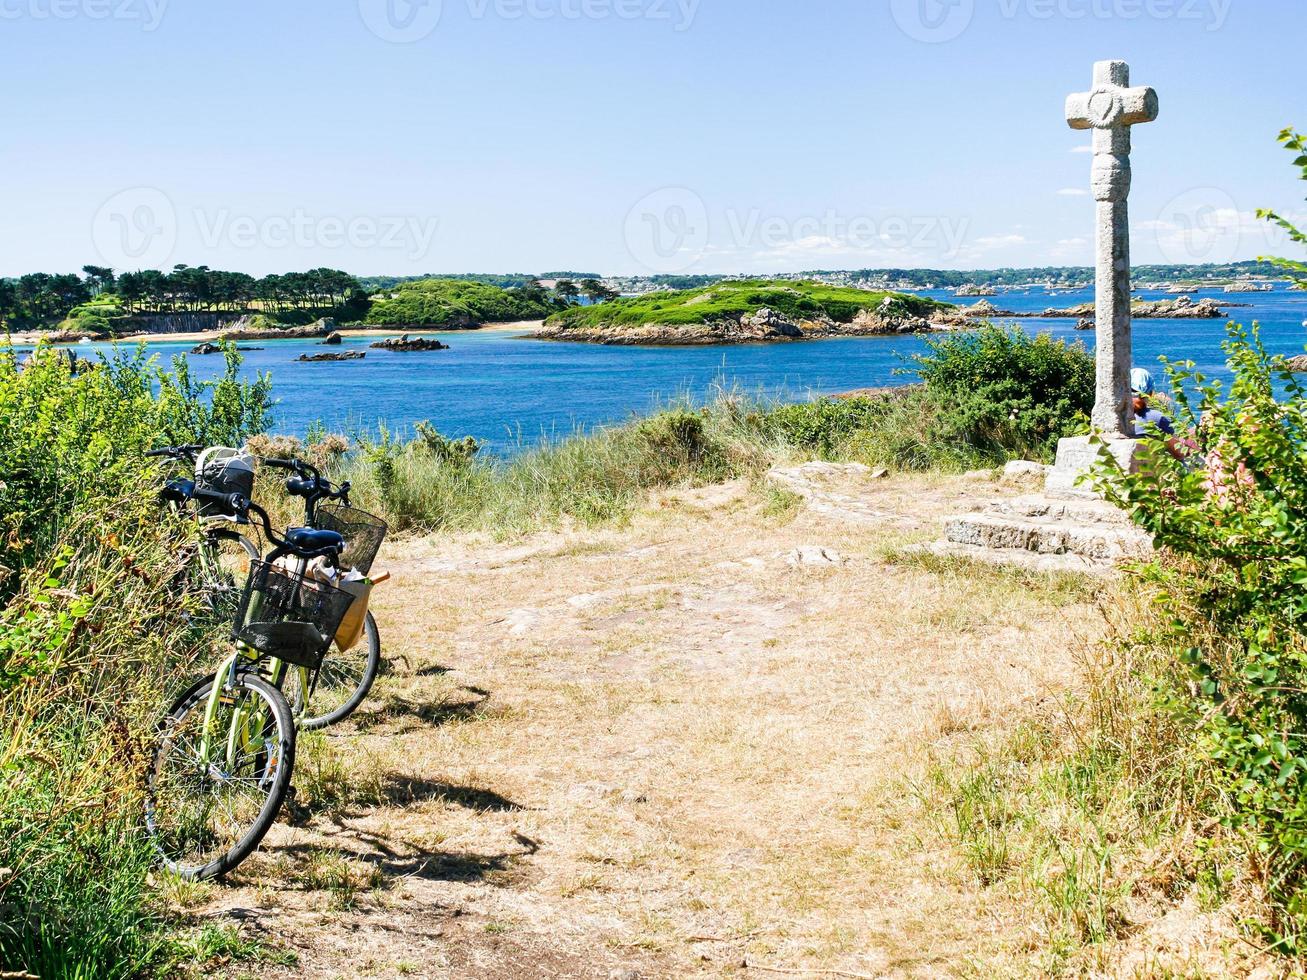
x=41 y=299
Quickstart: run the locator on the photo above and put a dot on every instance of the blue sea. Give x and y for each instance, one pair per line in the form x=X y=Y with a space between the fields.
x=512 y=392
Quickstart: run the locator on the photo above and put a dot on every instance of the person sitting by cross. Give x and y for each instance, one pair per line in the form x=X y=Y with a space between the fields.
x=1148 y=420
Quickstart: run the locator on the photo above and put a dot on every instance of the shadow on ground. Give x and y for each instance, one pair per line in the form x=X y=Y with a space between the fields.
x=396 y=858
x=463 y=705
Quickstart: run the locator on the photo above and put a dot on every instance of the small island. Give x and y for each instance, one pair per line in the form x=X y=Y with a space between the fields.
x=407 y=344
x=349 y=355
x=743 y=312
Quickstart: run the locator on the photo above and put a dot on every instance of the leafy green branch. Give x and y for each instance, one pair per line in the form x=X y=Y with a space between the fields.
x=1296 y=143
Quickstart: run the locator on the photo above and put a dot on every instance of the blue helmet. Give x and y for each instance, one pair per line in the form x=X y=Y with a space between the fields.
x=1141 y=382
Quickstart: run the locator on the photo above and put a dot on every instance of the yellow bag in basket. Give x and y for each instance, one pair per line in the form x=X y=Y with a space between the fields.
x=351 y=627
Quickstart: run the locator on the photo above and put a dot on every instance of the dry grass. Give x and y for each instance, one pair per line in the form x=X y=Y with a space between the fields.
x=670 y=750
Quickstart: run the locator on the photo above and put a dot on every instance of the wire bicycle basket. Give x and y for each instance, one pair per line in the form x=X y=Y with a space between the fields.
x=287 y=616
x=363 y=534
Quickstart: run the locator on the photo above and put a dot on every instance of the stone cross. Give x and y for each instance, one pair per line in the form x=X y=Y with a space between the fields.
x=1110 y=109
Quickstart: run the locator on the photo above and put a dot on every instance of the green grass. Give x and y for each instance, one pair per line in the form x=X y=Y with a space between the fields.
x=797 y=300
x=1093 y=801
x=194 y=952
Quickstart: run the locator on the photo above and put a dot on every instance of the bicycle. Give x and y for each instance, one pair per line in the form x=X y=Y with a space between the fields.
x=222 y=763
x=223 y=555
x=347 y=676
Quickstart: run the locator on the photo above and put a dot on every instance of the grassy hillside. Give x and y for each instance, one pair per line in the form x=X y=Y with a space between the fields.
x=796 y=300
x=455 y=303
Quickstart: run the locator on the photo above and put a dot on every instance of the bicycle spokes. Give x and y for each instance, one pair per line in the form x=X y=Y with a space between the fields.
x=213 y=774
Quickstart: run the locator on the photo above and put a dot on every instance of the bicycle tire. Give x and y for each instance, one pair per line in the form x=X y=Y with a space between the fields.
x=370 y=659
x=250 y=834
x=216 y=577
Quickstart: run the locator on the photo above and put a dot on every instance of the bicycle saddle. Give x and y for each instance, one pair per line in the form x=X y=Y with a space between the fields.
x=309 y=539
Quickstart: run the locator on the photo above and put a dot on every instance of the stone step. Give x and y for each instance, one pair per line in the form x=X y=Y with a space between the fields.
x=1028 y=560
x=1038 y=508
x=1094 y=541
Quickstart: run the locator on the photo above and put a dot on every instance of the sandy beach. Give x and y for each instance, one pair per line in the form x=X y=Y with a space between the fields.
x=207 y=336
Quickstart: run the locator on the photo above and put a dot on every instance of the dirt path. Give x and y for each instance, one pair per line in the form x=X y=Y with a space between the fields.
x=671 y=750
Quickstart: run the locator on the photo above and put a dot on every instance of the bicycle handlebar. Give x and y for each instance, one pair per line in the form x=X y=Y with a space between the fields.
x=190 y=453
x=312 y=486
x=237 y=503
x=242 y=506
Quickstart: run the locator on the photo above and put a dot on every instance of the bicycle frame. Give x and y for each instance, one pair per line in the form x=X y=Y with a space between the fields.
x=224 y=679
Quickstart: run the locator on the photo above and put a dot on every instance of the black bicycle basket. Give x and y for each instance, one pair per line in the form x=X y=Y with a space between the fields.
x=286 y=616
x=225 y=471
x=363 y=534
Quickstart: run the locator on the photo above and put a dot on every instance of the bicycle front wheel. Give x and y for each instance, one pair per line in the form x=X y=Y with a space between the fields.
x=344 y=681
x=220 y=771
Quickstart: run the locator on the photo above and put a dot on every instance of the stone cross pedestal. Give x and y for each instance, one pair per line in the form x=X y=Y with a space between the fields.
x=1110 y=109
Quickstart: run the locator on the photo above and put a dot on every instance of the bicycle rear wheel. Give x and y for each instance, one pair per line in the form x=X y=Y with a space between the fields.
x=216 y=784
x=344 y=681
x=220 y=569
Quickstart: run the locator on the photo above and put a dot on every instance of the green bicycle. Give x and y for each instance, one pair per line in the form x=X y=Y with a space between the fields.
x=225 y=750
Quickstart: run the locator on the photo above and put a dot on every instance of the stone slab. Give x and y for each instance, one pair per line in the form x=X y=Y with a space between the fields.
x=1076 y=457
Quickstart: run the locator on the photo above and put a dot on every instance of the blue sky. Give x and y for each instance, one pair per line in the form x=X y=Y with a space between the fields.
x=627 y=136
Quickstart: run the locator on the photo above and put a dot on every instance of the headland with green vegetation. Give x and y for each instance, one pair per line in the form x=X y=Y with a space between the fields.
x=745 y=311
x=458 y=304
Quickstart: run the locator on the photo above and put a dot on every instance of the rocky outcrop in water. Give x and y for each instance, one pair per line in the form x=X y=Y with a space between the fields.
x=1296 y=364
x=333 y=339
x=258 y=327
x=208 y=348
x=407 y=344
x=348 y=355
x=1181 y=308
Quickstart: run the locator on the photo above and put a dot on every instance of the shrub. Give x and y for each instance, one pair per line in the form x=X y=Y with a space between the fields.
x=70 y=438
x=455 y=452
x=823 y=426
x=1233 y=521
x=1003 y=392
x=92 y=637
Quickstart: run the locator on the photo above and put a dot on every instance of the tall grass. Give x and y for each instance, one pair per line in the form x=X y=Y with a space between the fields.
x=1098 y=800
x=587 y=479
x=92 y=648
x=94 y=638
x=602 y=477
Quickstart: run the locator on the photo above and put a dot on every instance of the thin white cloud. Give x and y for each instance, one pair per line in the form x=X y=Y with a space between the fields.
x=990 y=242
x=1075 y=250
x=1082 y=149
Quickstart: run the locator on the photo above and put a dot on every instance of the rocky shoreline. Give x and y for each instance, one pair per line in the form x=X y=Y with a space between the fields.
x=764 y=326
x=769 y=326
x=1181 y=308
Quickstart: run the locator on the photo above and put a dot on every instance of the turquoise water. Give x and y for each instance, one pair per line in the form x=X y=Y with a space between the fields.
x=511 y=391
